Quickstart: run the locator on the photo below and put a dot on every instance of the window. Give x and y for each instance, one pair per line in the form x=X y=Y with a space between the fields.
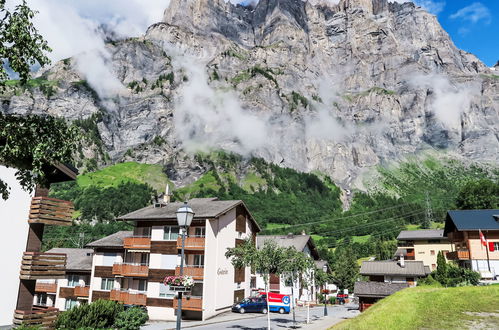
x=107 y=284
x=109 y=259
x=142 y=285
x=432 y=252
x=200 y=232
x=199 y=260
x=197 y=290
x=70 y=303
x=73 y=280
x=496 y=246
x=433 y=266
x=41 y=299
x=165 y=292
x=142 y=232
x=144 y=259
x=171 y=233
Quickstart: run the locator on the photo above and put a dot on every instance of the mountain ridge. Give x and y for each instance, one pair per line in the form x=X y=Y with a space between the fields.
x=334 y=88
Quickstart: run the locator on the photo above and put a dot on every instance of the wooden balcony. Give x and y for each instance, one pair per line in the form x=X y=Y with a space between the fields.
x=191 y=304
x=40 y=266
x=134 y=242
x=130 y=270
x=82 y=291
x=195 y=272
x=43 y=317
x=458 y=255
x=51 y=211
x=191 y=243
x=128 y=298
x=46 y=287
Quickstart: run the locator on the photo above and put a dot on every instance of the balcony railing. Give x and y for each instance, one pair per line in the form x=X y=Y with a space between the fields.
x=197 y=272
x=46 y=287
x=128 y=298
x=51 y=211
x=191 y=304
x=39 y=266
x=137 y=242
x=82 y=291
x=37 y=317
x=192 y=243
x=131 y=270
x=405 y=244
x=458 y=255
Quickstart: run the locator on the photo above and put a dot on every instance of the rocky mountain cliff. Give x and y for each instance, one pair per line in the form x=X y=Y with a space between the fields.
x=306 y=84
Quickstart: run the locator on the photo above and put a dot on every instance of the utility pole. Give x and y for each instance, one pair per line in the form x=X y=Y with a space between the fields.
x=429 y=212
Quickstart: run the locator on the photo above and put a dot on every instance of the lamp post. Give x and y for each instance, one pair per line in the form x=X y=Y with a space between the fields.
x=324 y=268
x=184 y=219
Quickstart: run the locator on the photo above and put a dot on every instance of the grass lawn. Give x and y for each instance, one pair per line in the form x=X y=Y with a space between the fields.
x=359 y=261
x=271 y=226
x=434 y=225
x=126 y=172
x=432 y=308
x=361 y=239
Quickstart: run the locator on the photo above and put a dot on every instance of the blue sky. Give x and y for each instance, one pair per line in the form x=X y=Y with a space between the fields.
x=472 y=25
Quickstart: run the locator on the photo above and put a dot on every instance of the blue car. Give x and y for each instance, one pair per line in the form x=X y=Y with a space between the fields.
x=251 y=305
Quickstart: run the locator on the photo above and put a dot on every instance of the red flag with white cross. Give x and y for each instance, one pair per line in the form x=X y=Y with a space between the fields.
x=483 y=241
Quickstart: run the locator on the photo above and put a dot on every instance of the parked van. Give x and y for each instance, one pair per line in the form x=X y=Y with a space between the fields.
x=278 y=302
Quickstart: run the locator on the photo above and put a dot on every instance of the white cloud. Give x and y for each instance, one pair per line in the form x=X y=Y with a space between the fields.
x=449 y=101
x=71 y=28
x=206 y=117
x=473 y=13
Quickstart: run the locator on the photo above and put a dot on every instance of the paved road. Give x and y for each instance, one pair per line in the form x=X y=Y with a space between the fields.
x=259 y=321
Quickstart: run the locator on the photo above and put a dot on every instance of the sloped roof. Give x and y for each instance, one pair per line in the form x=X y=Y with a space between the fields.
x=77 y=259
x=114 y=240
x=471 y=220
x=203 y=208
x=422 y=234
x=377 y=289
x=320 y=264
x=299 y=242
x=390 y=267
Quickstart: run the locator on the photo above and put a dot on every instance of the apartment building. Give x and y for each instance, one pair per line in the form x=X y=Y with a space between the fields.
x=423 y=245
x=387 y=277
x=463 y=227
x=282 y=284
x=130 y=266
x=74 y=288
x=39 y=210
x=393 y=271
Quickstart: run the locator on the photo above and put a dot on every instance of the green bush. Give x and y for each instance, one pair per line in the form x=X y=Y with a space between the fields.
x=97 y=315
x=131 y=319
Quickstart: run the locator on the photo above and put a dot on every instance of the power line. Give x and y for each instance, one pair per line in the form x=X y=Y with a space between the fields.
x=353 y=215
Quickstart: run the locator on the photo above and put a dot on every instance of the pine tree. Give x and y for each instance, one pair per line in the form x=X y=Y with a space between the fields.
x=441 y=273
x=346 y=269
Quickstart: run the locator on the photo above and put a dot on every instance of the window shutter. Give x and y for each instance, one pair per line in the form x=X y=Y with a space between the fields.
x=491 y=246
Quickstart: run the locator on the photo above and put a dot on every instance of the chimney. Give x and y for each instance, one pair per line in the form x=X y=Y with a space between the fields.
x=167 y=196
x=402 y=261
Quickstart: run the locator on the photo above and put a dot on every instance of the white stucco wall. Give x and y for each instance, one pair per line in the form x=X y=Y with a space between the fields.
x=13 y=236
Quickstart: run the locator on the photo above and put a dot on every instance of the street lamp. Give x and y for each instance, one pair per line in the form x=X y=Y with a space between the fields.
x=184 y=219
x=324 y=268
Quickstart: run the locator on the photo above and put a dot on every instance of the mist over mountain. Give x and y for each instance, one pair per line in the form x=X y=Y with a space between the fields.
x=332 y=86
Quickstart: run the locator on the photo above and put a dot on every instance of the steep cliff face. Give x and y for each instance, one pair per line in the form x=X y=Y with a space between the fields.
x=334 y=88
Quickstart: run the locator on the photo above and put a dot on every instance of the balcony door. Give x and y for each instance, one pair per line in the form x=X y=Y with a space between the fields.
x=198 y=261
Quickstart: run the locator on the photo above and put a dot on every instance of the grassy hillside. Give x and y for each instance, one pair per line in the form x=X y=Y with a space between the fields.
x=112 y=176
x=432 y=308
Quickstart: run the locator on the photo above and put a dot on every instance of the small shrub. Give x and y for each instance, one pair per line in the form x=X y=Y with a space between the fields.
x=131 y=319
x=99 y=314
